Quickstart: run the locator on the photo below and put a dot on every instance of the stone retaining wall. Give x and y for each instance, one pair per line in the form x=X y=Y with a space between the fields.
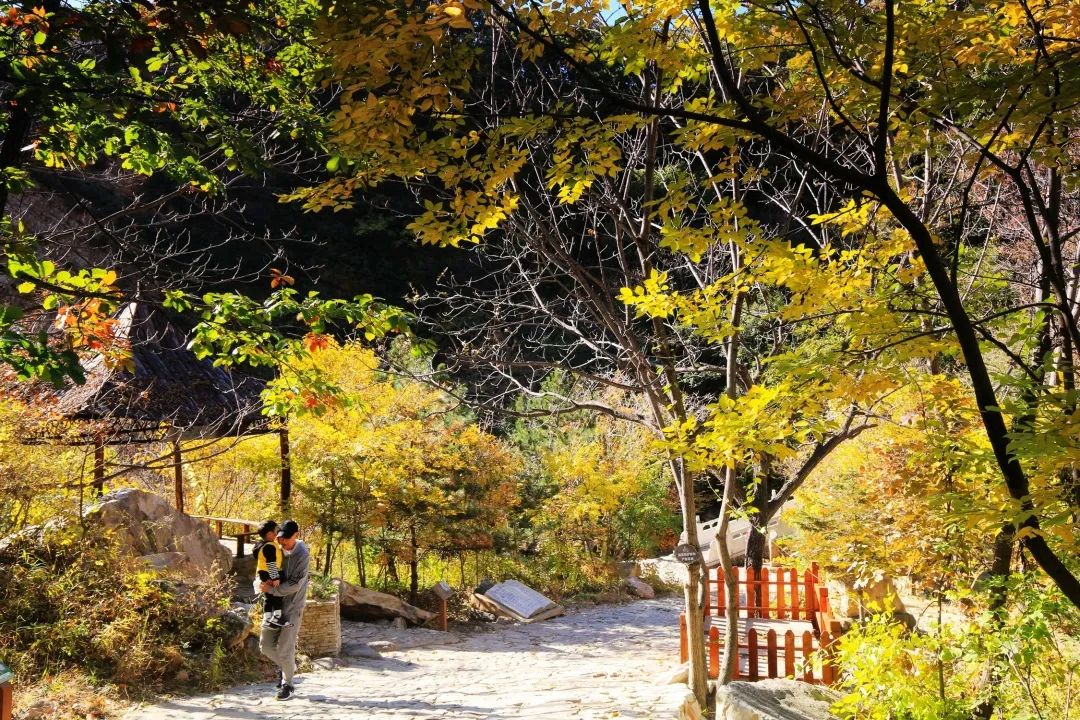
x=320 y=630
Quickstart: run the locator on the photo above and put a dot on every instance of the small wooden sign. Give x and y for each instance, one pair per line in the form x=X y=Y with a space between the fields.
x=687 y=554
x=443 y=590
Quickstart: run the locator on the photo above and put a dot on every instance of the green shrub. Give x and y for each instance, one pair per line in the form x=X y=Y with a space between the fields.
x=1033 y=657
x=77 y=604
x=321 y=587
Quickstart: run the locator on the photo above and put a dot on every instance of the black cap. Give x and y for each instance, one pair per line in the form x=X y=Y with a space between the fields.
x=288 y=529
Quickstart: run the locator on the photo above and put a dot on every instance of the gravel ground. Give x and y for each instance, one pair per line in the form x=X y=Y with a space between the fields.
x=599 y=662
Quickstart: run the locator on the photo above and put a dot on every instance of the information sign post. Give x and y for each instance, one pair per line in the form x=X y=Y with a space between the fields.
x=443 y=592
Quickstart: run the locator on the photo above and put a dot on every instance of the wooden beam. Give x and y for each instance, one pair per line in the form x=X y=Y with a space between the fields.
x=178 y=475
x=286 y=469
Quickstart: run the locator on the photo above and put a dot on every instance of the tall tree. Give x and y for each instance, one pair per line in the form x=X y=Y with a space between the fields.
x=904 y=108
x=625 y=244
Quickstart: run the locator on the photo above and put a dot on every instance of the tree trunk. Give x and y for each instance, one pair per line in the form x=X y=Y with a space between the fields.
x=756 y=545
x=391 y=559
x=731 y=588
x=997 y=432
x=414 y=566
x=999 y=574
x=757 y=542
x=11 y=149
x=361 y=569
x=695 y=621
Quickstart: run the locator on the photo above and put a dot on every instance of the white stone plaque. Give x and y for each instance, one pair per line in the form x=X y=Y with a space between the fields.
x=521 y=599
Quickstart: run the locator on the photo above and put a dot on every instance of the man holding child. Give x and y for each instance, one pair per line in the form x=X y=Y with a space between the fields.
x=277 y=640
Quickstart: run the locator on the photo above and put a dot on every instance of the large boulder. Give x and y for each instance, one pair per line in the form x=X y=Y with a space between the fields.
x=854 y=598
x=170 y=562
x=146 y=525
x=237 y=624
x=774 y=700
x=358 y=603
x=662 y=572
x=640 y=588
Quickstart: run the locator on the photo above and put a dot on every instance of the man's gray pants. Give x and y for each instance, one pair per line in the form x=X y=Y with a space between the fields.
x=279 y=644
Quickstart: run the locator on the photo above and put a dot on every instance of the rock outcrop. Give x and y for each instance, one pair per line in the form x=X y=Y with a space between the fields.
x=774 y=700
x=639 y=587
x=365 y=604
x=662 y=571
x=854 y=599
x=147 y=526
x=237 y=622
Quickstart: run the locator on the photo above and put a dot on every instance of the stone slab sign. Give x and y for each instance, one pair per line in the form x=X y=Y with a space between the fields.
x=519 y=599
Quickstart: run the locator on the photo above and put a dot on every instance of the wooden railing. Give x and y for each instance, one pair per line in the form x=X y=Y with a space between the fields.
x=797 y=605
x=780 y=594
x=240 y=535
x=767 y=654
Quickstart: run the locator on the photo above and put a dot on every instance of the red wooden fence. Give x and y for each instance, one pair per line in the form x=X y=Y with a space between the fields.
x=807 y=658
x=779 y=593
x=773 y=594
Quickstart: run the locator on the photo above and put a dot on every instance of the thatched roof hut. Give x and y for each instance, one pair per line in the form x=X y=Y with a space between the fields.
x=163 y=389
x=161 y=393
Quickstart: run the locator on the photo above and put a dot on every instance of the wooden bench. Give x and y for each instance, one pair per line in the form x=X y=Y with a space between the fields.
x=240 y=535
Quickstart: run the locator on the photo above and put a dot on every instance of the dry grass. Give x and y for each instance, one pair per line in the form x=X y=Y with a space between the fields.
x=70 y=695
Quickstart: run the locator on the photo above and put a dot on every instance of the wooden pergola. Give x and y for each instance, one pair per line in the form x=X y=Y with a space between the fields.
x=165 y=394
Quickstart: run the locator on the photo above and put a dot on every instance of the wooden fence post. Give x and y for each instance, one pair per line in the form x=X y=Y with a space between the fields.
x=714 y=652
x=763 y=583
x=794 y=578
x=828 y=674
x=752 y=652
x=178 y=475
x=684 y=651
x=770 y=647
x=807 y=655
x=781 y=591
x=789 y=654
x=286 y=468
x=751 y=595
x=721 y=588
x=5 y=692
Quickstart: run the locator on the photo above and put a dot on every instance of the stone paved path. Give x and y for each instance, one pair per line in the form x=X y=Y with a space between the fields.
x=601 y=662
